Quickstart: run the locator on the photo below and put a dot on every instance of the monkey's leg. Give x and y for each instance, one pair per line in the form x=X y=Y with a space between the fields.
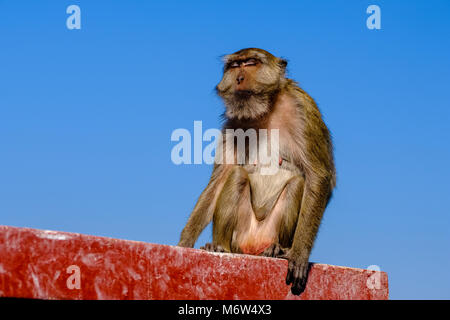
x=203 y=212
x=288 y=204
x=234 y=192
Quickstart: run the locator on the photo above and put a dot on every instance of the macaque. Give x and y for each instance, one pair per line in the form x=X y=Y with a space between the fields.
x=274 y=215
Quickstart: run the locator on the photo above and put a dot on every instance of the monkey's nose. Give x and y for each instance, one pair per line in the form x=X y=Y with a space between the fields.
x=239 y=79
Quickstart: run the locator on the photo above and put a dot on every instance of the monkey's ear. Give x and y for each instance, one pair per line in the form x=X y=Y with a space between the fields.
x=283 y=63
x=225 y=58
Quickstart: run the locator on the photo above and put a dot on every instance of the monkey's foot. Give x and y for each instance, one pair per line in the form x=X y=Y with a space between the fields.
x=297 y=275
x=211 y=247
x=274 y=251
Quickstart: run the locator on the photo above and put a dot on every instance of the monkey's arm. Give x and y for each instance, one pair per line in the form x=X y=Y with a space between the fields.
x=312 y=207
x=203 y=211
x=318 y=165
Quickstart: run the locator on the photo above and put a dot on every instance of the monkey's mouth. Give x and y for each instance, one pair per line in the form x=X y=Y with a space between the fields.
x=243 y=94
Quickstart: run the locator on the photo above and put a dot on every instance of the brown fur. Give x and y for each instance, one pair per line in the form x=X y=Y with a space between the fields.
x=277 y=215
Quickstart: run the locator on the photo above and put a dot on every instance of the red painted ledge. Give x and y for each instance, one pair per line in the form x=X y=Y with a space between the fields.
x=44 y=264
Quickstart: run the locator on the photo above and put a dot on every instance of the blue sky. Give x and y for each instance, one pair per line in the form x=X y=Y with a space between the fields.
x=86 y=118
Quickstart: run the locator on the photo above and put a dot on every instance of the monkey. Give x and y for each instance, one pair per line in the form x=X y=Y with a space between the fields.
x=274 y=215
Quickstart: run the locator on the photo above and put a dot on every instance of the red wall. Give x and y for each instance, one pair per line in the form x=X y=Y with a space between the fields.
x=59 y=265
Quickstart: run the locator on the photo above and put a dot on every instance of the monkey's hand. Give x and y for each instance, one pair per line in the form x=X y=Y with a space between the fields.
x=298 y=269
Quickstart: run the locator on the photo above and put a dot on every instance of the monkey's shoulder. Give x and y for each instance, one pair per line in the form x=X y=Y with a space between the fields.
x=300 y=98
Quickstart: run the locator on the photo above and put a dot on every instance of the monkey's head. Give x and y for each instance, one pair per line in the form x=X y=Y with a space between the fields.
x=251 y=79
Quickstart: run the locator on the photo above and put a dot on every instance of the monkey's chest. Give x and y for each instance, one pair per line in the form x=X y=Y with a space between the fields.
x=259 y=219
x=265 y=190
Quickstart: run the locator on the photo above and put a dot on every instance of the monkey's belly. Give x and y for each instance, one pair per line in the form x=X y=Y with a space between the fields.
x=260 y=218
x=256 y=238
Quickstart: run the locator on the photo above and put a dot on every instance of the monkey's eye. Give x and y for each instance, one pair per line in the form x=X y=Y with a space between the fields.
x=250 y=62
x=233 y=64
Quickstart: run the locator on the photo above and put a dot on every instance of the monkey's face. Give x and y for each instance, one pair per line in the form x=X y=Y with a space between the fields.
x=250 y=79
